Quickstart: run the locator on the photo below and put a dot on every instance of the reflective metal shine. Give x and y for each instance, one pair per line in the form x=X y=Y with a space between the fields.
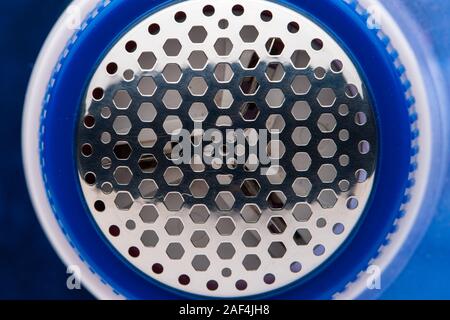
x=218 y=230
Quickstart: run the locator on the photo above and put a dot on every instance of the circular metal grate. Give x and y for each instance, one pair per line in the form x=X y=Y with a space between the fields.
x=226 y=227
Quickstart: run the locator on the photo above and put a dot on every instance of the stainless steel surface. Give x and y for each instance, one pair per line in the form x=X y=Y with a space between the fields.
x=226 y=230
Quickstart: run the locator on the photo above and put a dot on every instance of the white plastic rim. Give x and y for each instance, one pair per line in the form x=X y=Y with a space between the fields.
x=48 y=58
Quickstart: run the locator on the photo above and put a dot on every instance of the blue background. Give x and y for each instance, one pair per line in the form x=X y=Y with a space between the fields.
x=30 y=269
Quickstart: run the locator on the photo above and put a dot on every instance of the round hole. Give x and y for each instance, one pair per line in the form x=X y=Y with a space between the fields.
x=90 y=178
x=105 y=112
x=321 y=223
x=184 y=279
x=114 y=231
x=98 y=94
x=128 y=75
x=269 y=278
x=154 y=29
x=361 y=175
x=212 y=285
x=293 y=27
x=296 y=267
x=343 y=110
x=223 y=24
x=226 y=272
x=317 y=44
x=351 y=91
x=180 y=17
x=134 y=252
x=86 y=150
x=241 y=285
x=360 y=118
x=89 y=122
x=338 y=228
x=320 y=73
x=238 y=10
x=157 y=268
x=131 y=46
x=208 y=10
x=364 y=147
x=106 y=163
x=352 y=203
x=266 y=16
x=336 y=66
x=130 y=224
x=344 y=185
x=111 y=68
x=107 y=188
x=99 y=206
x=319 y=250
x=105 y=138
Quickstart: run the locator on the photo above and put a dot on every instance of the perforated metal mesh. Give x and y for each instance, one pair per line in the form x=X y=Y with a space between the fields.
x=224 y=229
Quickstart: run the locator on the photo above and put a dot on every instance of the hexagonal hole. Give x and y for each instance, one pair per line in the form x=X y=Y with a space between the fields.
x=148 y=163
x=199 y=188
x=198 y=86
x=302 y=212
x=226 y=251
x=147 y=86
x=122 y=100
x=172 y=47
x=225 y=200
x=149 y=238
x=173 y=176
x=249 y=111
x=301 y=85
x=147 y=112
x=300 y=59
x=148 y=188
x=198 y=112
x=251 y=238
x=175 y=251
x=302 y=187
x=250 y=187
x=301 y=136
x=326 y=123
x=275 y=123
x=199 y=214
x=276 y=149
x=174 y=227
x=301 y=110
x=200 y=263
x=172 y=99
x=122 y=125
x=200 y=239
x=276 y=175
x=123 y=175
x=327 y=148
x=277 y=225
x=326 y=97
x=249 y=34
x=251 y=262
x=147 y=60
x=198 y=34
x=123 y=200
x=277 y=250
x=223 y=99
x=302 y=237
x=122 y=150
x=223 y=46
x=223 y=72
x=275 y=98
x=198 y=60
x=149 y=214
x=172 y=73
x=275 y=46
x=251 y=213
x=174 y=201
x=147 y=138
x=249 y=59
x=225 y=226
x=249 y=85
x=301 y=161
x=275 y=72
x=327 y=173
x=172 y=125
x=327 y=198
x=276 y=200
